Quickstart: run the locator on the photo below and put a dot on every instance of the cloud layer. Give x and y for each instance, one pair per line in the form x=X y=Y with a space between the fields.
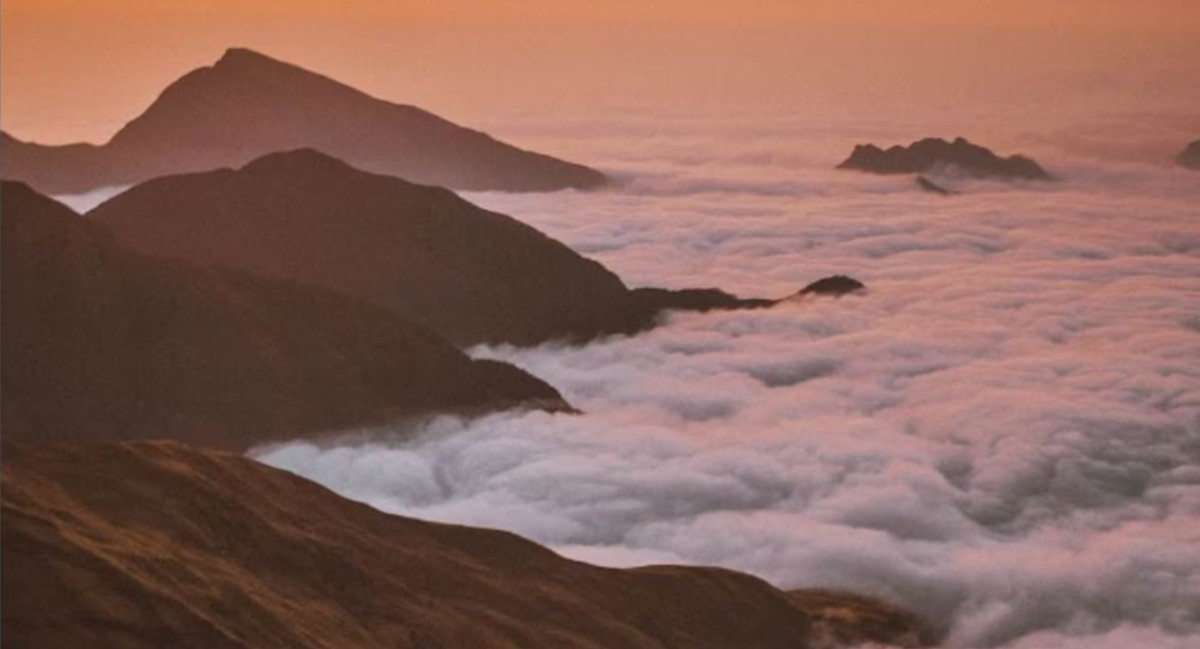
x=1003 y=433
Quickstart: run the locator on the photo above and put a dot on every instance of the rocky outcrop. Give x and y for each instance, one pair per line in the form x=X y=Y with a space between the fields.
x=471 y=275
x=247 y=105
x=98 y=342
x=155 y=544
x=936 y=154
x=834 y=285
x=1189 y=158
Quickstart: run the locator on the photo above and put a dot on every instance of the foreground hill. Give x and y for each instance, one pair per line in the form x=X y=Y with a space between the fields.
x=99 y=342
x=248 y=105
x=468 y=274
x=154 y=544
x=934 y=153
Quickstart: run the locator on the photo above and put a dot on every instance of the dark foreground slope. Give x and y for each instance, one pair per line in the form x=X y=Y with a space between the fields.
x=100 y=342
x=247 y=105
x=841 y=619
x=154 y=544
x=935 y=153
x=466 y=273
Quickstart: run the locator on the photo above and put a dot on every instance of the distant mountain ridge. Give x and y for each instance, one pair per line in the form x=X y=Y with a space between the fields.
x=471 y=275
x=248 y=104
x=102 y=343
x=931 y=153
x=1189 y=158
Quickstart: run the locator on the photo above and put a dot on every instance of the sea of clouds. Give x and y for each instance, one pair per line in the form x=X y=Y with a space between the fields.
x=1002 y=433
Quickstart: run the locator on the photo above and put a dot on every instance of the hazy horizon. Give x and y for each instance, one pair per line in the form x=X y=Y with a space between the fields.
x=80 y=73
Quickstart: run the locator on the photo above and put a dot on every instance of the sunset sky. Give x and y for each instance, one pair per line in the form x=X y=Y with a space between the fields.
x=79 y=69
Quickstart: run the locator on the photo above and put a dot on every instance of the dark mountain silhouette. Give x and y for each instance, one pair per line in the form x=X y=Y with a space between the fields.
x=934 y=153
x=650 y=300
x=1189 y=158
x=155 y=544
x=470 y=275
x=99 y=342
x=248 y=105
x=932 y=187
x=835 y=285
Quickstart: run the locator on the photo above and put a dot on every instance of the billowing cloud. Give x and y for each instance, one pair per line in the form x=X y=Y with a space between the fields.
x=1003 y=433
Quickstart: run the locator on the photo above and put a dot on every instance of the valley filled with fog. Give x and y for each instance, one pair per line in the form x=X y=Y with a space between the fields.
x=1002 y=433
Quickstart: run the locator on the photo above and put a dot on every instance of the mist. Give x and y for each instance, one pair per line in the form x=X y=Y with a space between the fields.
x=84 y=202
x=1002 y=433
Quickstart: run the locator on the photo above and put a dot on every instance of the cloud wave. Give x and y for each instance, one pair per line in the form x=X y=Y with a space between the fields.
x=1003 y=433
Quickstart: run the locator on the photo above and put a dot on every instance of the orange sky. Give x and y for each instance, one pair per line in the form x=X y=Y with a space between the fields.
x=79 y=69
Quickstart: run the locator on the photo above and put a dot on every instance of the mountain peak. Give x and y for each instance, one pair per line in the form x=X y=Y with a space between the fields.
x=303 y=158
x=244 y=56
x=314 y=166
x=247 y=104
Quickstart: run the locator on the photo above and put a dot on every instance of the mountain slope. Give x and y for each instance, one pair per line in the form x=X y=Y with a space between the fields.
x=247 y=105
x=100 y=342
x=154 y=544
x=466 y=273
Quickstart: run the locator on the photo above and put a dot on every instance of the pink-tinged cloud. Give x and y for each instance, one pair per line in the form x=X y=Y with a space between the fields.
x=1003 y=433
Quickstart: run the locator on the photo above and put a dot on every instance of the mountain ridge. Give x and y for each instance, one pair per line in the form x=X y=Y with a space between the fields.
x=247 y=104
x=101 y=342
x=933 y=153
x=471 y=275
